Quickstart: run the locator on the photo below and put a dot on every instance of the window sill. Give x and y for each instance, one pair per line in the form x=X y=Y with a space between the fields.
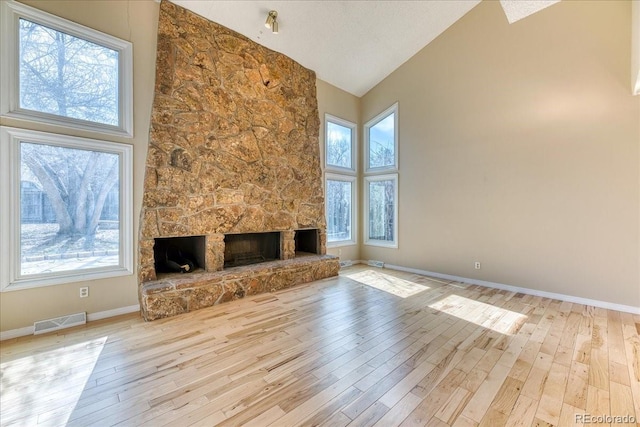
x=341 y=244
x=72 y=277
x=391 y=245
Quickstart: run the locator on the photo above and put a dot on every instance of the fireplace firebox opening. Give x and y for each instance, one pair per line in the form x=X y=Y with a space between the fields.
x=251 y=248
x=179 y=254
x=307 y=242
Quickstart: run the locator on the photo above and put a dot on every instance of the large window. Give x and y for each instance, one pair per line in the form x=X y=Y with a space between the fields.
x=340 y=184
x=340 y=206
x=340 y=137
x=381 y=141
x=63 y=73
x=382 y=210
x=71 y=218
x=381 y=186
x=65 y=202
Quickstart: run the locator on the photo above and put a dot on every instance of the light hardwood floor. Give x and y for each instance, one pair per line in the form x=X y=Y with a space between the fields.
x=372 y=347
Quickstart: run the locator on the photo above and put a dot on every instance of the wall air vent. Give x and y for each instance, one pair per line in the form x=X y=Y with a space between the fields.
x=43 y=326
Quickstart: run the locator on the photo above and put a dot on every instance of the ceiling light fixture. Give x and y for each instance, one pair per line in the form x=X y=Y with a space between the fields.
x=272 y=22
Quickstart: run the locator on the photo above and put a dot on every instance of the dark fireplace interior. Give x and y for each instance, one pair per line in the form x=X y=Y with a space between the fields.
x=179 y=254
x=307 y=242
x=250 y=248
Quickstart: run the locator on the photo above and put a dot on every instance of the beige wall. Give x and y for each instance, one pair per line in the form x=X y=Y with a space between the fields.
x=340 y=104
x=135 y=21
x=519 y=148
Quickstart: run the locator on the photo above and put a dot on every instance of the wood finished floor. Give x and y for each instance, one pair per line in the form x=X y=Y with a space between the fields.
x=373 y=347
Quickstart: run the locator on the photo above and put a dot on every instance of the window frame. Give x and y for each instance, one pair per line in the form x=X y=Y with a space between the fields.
x=354 y=208
x=10 y=13
x=328 y=118
x=367 y=180
x=10 y=183
x=367 y=127
x=338 y=173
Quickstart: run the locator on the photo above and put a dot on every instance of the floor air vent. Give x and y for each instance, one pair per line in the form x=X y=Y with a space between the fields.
x=374 y=263
x=62 y=322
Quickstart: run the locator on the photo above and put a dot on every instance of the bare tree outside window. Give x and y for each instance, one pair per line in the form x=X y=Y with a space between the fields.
x=71 y=77
x=382 y=143
x=67 y=76
x=68 y=198
x=382 y=210
x=339 y=145
x=76 y=184
x=339 y=197
x=340 y=182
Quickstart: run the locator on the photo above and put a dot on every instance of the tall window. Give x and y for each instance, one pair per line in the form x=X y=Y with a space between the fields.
x=71 y=217
x=64 y=73
x=340 y=182
x=381 y=186
x=381 y=141
x=340 y=142
x=65 y=202
x=382 y=210
x=340 y=205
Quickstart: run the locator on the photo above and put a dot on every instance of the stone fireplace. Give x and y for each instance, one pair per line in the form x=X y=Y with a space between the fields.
x=233 y=179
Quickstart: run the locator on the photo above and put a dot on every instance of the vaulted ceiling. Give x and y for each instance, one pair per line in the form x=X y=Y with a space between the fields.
x=351 y=44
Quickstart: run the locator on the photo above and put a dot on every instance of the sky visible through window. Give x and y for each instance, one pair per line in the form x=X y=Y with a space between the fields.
x=338 y=145
x=381 y=143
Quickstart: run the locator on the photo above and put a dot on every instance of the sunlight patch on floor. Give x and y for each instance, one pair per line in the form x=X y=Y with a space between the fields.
x=388 y=283
x=501 y=320
x=45 y=387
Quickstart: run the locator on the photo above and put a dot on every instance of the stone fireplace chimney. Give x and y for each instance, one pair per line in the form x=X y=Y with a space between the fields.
x=233 y=149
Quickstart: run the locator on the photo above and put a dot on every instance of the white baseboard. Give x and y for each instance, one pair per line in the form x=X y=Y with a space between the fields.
x=112 y=313
x=527 y=291
x=28 y=330
x=15 y=333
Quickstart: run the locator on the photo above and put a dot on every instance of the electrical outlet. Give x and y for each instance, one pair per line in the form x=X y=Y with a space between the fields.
x=476 y=265
x=84 y=292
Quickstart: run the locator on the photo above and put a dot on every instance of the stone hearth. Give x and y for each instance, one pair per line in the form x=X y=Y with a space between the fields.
x=180 y=293
x=233 y=148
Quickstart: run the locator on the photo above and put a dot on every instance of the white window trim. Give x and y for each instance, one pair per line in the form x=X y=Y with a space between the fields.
x=371 y=123
x=354 y=208
x=328 y=118
x=370 y=242
x=10 y=13
x=10 y=139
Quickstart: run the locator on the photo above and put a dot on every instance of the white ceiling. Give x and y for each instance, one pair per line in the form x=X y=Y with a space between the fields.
x=518 y=9
x=351 y=44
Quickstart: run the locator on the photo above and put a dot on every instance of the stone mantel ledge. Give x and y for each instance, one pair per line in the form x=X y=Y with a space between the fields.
x=181 y=293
